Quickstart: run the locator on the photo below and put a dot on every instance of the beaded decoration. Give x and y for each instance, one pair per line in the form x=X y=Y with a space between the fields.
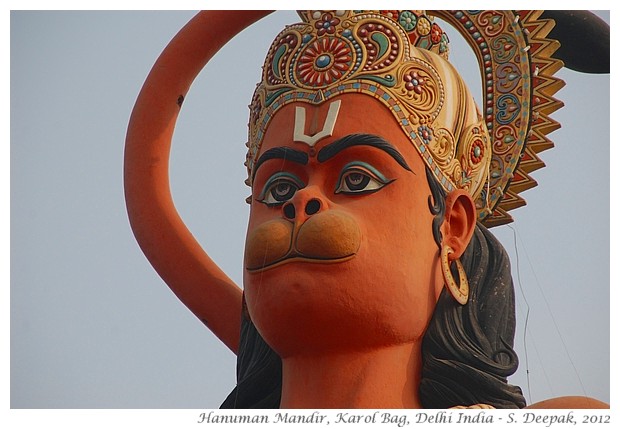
x=400 y=59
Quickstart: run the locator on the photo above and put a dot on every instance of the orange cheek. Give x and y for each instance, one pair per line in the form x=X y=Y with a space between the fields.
x=268 y=243
x=328 y=235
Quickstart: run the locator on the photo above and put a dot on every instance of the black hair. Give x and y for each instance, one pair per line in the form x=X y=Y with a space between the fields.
x=467 y=350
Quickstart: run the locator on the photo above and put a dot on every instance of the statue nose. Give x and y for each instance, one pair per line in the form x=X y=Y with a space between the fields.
x=305 y=203
x=289 y=211
x=312 y=206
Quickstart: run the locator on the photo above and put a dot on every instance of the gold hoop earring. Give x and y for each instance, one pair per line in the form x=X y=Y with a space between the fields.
x=459 y=292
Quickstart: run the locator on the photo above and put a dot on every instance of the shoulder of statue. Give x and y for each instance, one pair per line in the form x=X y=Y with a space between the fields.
x=473 y=407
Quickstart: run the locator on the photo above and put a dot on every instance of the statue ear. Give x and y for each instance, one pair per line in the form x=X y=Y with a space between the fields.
x=459 y=221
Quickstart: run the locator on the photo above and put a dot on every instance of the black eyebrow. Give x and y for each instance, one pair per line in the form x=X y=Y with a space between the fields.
x=339 y=145
x=285 y=153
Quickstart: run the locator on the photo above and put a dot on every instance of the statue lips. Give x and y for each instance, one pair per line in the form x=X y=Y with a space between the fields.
x=327 y=237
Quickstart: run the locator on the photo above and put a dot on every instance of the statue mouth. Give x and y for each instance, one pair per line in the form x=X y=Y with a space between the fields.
x=294 y=257
x=329 y=237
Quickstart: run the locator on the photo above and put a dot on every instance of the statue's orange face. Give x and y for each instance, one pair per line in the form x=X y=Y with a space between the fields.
x=340 y=252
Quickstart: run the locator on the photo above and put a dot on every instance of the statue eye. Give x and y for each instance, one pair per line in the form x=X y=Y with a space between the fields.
x=360 y=178
x=279 y=189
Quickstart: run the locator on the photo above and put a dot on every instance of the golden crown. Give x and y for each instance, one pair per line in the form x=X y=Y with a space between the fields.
x=400 y=59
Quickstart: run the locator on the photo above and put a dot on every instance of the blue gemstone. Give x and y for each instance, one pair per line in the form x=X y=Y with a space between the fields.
x=323 y=61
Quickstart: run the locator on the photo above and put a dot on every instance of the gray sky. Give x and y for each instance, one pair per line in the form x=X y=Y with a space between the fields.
x=93 y=326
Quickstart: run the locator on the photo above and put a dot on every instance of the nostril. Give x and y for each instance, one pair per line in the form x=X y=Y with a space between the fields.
x=289 y=211
x=313 y=207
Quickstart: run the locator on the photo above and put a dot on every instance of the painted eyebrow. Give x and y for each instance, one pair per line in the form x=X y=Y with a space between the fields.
x=285 y=153
x=339 y=145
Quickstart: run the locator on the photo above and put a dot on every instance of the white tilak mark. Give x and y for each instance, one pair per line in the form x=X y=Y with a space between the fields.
x=299 y=135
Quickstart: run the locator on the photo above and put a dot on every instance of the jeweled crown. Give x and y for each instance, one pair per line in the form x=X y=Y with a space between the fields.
x=400 y=59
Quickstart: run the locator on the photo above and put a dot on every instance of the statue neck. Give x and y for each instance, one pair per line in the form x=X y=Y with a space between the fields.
x=386 y=377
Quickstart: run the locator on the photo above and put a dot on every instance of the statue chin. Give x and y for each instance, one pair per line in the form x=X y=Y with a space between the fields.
x=301 y=306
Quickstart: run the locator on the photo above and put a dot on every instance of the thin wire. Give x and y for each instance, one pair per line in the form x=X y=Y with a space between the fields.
x=258 y=293
x=555 y=324
x=543 y=368
x=259 y=285
x=527 y=316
